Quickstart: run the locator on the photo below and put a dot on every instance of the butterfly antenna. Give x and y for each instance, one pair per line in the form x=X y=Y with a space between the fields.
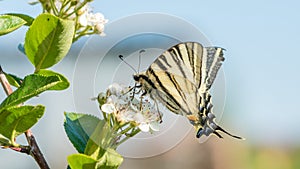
x=121 y=57
x=140 y=57
x=134 y=87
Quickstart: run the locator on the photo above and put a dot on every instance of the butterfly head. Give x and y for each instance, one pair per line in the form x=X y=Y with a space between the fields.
x=144 y=82
x=141 y=78
x=137 y=77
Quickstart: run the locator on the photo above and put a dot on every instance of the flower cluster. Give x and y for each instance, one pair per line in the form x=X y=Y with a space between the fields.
x=120 y=102
x=95 y=21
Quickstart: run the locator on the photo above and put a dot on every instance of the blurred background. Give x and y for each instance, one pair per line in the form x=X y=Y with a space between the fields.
x=261 y=70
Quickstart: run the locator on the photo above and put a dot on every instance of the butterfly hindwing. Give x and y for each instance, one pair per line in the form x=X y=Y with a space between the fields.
x=211 y=64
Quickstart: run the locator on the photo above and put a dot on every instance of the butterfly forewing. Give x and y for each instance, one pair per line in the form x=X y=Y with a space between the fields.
x=177 y=74
x=178 y=94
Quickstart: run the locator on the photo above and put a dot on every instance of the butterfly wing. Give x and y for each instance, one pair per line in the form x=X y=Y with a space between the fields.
x=183 y=60
x=212 y=59
x=176 y=77
x=178 y=94
x=181 y=77
x=191 y=61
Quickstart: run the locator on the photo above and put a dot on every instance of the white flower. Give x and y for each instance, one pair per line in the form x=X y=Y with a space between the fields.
x=116 y=89
x=146 y=127
x=87 y=18
x=145 y=124
x=149 y=121
x=99 y=29
x=96 y=21
x=96 y=18
x=82 y=20
x=155 y=126
x=108 y=108
x=126 y=108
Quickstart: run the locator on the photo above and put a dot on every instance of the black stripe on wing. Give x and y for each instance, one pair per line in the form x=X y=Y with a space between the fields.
x=196 y=56
x=164 y=91
x=213 y=64
x=177 y=57
x=189 y=55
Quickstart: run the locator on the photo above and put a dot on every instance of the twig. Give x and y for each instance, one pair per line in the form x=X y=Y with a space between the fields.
x=4 y=82
x=34 y=149
x=23 y=149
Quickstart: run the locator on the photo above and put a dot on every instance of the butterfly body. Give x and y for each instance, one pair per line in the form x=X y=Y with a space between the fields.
x=180 y=79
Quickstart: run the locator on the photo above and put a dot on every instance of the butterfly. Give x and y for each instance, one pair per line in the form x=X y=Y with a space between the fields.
x=180 y=79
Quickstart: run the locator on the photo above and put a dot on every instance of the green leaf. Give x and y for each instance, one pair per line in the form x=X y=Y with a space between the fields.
x=81 y=161
x=10 y=23
x=79 y=127
x=16 y=120
x=100 y=140
x=33 y=85
x=48 y=40
x=4 y=141
x=33 y=2
x=21 y=48
x=110 y=160
x=14 y=80
x=26 y=18
x=62 y=85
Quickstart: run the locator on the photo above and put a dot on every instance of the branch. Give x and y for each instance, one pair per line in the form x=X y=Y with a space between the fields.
x=4 y=82
x=34 y=150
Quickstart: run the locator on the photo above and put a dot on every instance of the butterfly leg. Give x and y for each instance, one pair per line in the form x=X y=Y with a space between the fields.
x=134 y=90
x=159 y=114
x=141 y=101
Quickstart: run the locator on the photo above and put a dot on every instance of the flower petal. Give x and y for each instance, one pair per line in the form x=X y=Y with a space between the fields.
x=108 y=108
x=144 y=127
x=154 y=126
x=82 y=19
x=139 y=118
x=115 y=89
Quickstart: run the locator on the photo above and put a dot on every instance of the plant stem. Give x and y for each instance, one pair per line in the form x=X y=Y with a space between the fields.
x=134 y=132
x=76 y=9
x=55 y=10
x=21 y=149
x=5 y=84
x=34 y=151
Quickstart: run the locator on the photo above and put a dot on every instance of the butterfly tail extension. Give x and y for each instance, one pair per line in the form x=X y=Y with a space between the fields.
x=208 y=124
x=226 y=132
x=212 y=128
